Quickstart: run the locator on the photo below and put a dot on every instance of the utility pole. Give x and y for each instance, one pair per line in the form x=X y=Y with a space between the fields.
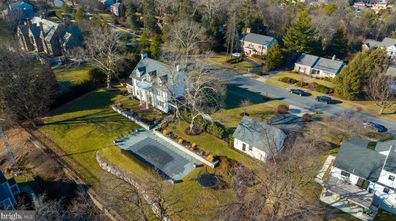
x=9 y=152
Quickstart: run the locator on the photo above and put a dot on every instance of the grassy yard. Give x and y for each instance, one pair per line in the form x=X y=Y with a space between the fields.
x=88 y=124
x=231 y=117
x=209 y=143
x=221 y=60
x=72 y=76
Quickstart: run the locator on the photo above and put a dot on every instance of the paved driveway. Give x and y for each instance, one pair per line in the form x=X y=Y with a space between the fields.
x=303 y=102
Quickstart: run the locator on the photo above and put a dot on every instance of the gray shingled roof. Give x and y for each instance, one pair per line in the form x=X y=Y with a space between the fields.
x=390 y=164
x=260 y=135
x=386 y=42
x=391 y=71
x=148 y=65
x=329 y=65
x=307 y=60
x=355 y=158
x=257 y=38
x=384 y=146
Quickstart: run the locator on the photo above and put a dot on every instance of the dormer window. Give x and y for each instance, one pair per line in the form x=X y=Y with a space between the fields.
x=140 y=71
x=151 y=75
x=163 y=79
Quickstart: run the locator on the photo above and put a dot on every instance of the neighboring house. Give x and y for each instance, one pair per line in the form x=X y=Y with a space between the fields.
x=256 y=44
x=59 y=3
x=115 y=9
x=317 y=66
x=389 y=44
x=106 y=4
x=8 y=190
x=391 y=72
x=23 y=10
x=377 y=7
x=258 y=139
x=364 y=173
x=156 y=84
x=45 y=36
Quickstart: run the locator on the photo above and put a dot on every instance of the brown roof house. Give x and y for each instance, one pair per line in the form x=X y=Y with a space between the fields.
x=45 y=36
x=256 y=44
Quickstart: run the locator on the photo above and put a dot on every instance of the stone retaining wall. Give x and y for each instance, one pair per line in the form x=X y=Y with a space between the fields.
x=122 y=175
x=137 y=121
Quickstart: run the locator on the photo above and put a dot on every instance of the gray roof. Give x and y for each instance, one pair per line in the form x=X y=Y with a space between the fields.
x=386 y=42
x=391 y=71
x=329 y=65
x=148 y=65
x=260 y=135
x=307 y=60
x=390 y=164
x=355 y=158
x=257 y=38
x=384 y=146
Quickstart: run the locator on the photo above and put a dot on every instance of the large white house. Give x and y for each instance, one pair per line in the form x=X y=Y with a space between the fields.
x=258 y=139
x=364 y=173
x=389 y=44
x=156 y=84
x=316 y=66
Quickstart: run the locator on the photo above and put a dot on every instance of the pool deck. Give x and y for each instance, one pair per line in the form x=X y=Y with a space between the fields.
x=170 y=162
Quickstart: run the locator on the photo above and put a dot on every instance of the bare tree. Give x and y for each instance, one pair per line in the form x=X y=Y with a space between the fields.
x=379 y=90
x=203 y=93
x=101 y=49
x=280 y=192
x=185 y=38
x=27 y=87
x=232 y=34
x=212 y=6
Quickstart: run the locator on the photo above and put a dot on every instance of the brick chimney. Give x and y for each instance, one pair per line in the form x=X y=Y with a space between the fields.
x=248 y=30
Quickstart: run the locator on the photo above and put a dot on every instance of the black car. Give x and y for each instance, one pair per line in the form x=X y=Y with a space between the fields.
x=374 y=126
x=324 y=99
x=298 y=92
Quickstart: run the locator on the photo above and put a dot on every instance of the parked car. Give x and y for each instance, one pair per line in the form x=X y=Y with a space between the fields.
x=374 y=126
x=298 y=92
x=324 y=99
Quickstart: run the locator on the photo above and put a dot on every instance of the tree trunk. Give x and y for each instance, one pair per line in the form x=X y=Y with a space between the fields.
x=108 y=81
x=381 y=111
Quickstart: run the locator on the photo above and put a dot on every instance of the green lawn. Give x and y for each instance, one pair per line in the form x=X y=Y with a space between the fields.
x=231 y=117
x=209 y=143
x=88 y=124
x=72 y=76
x=221 y=60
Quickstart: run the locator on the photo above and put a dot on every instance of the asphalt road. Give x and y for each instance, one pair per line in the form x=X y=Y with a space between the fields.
x=307 y=103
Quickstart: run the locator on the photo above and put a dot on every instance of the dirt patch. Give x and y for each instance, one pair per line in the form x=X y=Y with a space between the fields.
x=38 y=169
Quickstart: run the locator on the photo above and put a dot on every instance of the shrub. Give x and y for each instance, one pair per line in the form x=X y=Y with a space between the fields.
x=312 y=86
x=323 y=89
x=180 y=141
x=306 y=117
x=210 y=158
x=216 y=129
x=301 y=84
x=73 y=92
x=165 y=132
x=283 y=109
x=200 y=123
x=288 y=80
x=186 y=115
x=193 y=145
x=97 y=76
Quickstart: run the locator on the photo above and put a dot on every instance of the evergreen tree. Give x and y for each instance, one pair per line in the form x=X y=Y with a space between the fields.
x=350 y=83
x=65 y=8
x=144 y=43
x=130 y=14
x=79 y=14
x=150 y=24
x=275 y=58
x=249 y=14
x=301 y=36
x=155 y=47
x=338 y=45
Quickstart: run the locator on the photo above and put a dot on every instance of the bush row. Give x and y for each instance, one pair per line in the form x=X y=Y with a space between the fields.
x=312 y=86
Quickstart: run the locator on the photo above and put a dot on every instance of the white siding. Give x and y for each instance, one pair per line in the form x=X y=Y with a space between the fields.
x=250 y=150
x=336 y=172
x=304 y=69
x=384 y=179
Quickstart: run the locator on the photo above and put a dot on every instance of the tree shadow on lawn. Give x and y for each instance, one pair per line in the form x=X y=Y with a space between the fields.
x=98 y=118
x=90 y=101
x=236 y=95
